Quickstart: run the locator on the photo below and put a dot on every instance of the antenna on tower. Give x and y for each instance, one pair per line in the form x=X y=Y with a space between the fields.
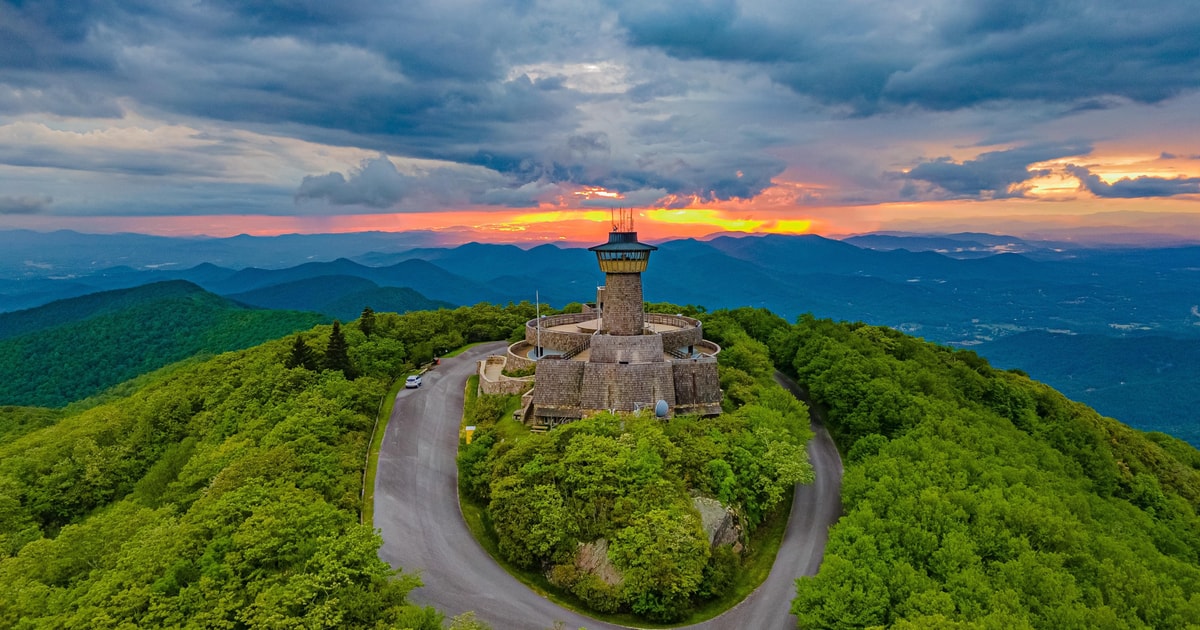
x=622 y=219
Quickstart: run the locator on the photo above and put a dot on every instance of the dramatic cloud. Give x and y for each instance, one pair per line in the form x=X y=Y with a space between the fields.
x=992 y=175
x=872 y=54
x=24 y=205
x=277 y=107
x=377 y=183
x=1131 y=188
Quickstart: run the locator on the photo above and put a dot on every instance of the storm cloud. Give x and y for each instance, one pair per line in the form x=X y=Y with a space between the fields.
x=377 y=183
x=514 y=103
x=872 y=55
x=24 y=205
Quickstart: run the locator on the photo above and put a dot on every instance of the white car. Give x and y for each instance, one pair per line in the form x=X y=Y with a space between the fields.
x=412 y=382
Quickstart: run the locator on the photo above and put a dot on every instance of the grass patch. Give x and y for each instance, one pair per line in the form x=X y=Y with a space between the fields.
x=510 y=429
x=469 y=397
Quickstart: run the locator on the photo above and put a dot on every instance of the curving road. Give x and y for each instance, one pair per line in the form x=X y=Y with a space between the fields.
x=416 y=509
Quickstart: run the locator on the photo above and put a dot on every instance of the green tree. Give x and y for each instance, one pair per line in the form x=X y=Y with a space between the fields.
x=337 y=352
x=663 y=553
x=366 y=321
x=532 y=521
x=301 y=355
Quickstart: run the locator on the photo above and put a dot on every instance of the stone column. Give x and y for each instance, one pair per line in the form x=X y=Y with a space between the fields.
x=623 y=303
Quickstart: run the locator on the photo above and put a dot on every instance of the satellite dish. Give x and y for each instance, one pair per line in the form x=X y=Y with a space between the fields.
x=660 y=409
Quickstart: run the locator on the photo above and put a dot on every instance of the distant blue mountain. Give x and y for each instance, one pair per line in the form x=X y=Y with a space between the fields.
x=340 y=297
x=421 y=276
x=28 y=254
x=1149 y=382
x=970 y=301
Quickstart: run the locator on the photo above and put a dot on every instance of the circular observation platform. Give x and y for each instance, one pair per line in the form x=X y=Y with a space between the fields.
x=570 y=335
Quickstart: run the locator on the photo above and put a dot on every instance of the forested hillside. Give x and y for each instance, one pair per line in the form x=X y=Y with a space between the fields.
x=85 y=345
x=77 y=309
x=977 y=498
x=223 y=493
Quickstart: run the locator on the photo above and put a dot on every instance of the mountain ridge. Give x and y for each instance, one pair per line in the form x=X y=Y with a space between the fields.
x=106 y=339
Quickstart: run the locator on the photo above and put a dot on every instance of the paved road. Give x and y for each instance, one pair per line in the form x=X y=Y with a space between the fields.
x=416 y=508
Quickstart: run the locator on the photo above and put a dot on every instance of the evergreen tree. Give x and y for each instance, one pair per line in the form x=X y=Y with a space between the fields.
x=302 y=356
x=337 y=355
x=366 y=321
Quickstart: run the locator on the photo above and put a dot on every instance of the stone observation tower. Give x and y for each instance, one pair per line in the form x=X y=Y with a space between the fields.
x=614 y=356
x=622 y=259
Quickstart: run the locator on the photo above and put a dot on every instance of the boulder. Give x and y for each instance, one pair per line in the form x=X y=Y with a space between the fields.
x=593 y=558
x=719 y=523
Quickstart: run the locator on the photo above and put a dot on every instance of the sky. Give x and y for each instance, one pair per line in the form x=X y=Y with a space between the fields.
x=528 y=120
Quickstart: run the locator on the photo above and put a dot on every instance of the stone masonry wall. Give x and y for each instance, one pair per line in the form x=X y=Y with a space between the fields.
x=517 y=356
x=696 y=381
x=673 y=320
x=676 y=339
x=559 y=383
x=623 y=303
x=619 y=386
x=639 y=349
x=557 y=339
x=502 y=384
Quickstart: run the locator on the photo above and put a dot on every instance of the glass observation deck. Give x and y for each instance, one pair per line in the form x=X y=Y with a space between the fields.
x=623 y=253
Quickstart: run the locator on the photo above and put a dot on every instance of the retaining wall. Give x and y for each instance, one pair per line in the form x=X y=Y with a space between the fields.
x=517 y=359
x=502 y=384
x=559 y=340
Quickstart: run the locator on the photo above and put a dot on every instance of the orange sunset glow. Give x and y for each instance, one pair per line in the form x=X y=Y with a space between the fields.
x=1053 y=201
x=531 y=139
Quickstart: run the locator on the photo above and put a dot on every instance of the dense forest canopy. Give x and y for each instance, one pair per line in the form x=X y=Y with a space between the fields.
x=225 y=492
x=978 y=498
x=217 y=493
x=100 y=340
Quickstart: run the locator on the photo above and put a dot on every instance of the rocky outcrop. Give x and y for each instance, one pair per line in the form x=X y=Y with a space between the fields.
x=593 y=558
x=719 y=523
